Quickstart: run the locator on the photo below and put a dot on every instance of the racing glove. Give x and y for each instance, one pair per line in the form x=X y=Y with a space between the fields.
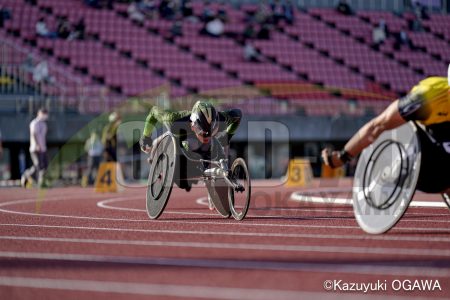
x=145 y=142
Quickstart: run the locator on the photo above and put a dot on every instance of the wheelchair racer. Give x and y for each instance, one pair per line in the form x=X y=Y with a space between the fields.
x=428 y=105
x=194 y=128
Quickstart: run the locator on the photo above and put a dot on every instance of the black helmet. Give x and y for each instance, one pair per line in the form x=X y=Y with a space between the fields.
x=204 y=118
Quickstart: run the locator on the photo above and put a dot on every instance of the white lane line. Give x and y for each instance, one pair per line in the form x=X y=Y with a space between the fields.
x=196 y=222
x=204 y=202
x=183 y=291
x=105 y=204
x=244 y=246
x=26 y=201
x=301 y=197
x=363 y=237
x=364 y=268
x=168 y=290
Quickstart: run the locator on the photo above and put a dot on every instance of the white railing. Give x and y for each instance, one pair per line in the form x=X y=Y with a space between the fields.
x=17 y=65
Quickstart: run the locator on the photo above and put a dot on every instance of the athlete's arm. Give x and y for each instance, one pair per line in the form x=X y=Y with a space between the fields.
x=390 y=118
x=156 y=117
x=232 y=119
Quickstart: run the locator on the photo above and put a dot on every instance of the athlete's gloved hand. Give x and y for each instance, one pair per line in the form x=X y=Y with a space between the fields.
x=146 y=142
x=335 y=159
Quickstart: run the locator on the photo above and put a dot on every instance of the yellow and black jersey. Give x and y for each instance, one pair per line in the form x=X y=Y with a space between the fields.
x=428 y=102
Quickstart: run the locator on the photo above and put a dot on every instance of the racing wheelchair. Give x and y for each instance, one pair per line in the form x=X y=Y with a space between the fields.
x=229 y=188
x=387 y=175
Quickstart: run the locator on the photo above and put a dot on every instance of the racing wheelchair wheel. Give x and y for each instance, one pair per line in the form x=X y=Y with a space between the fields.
x=161 y=176
x=446 y=197
x=239 y=198
x=218 y=188
x=386 y=178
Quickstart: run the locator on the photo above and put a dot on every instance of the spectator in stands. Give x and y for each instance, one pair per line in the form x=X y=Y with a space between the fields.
x=38 y=150
x=177 y=29
x=109 y=137
x=94 y=149
x=402 y=39
x=263 y=15
x=420 y=10
x=249 y=32
x=100 y=3
x=5 y=14
x=28 y=64
x=41 y=73
x=250 y=53
x=147 y=7
x=167 y=9
x=93 y=3
x=264 y=32
x=344 y=8
x=222 y=14
x=43 y=31
x=79 y=29
x=414 y=24
x=207 y=15
x=277 y=11
x=186 y=9
x=383 y=26
x=214 y=28
x=288 y=12
x=134 y=13
x=379 y=34
x=63 y=28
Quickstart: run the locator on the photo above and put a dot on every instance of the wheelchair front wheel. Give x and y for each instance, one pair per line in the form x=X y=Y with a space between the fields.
x=161 y=177
x=239 y=197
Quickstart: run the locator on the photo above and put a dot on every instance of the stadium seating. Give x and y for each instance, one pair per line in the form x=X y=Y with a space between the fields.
x=322 y=55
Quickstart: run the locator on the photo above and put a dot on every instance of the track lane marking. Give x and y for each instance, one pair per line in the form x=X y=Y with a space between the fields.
x=245 y=234
x=245 y=246
x=204 y=202
x=245 y=264
x=296 y=196
x=168 y=290
x=230 y=223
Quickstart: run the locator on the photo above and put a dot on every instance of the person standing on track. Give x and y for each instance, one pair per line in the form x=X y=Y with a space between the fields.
x=94 y=149
x=109 y=137
x=428 y=105
x=38 y=150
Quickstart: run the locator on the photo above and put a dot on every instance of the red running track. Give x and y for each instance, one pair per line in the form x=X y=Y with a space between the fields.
x=72 y=243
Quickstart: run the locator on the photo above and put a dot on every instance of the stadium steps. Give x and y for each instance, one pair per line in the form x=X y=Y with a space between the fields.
x=420 y=60
x=295 y=34
x=353 y=32
x=371 y=64
x=21 y=32
x=121 y=73
x=204 y=49
x=227 y=52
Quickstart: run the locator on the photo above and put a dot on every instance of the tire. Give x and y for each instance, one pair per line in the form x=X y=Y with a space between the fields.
x=218 y=189
x=240 y=201
x=161 y=176
x=386 y=178
x=446 y=197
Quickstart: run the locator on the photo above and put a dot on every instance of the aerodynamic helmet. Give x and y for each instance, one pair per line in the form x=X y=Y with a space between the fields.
x=204 y=119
